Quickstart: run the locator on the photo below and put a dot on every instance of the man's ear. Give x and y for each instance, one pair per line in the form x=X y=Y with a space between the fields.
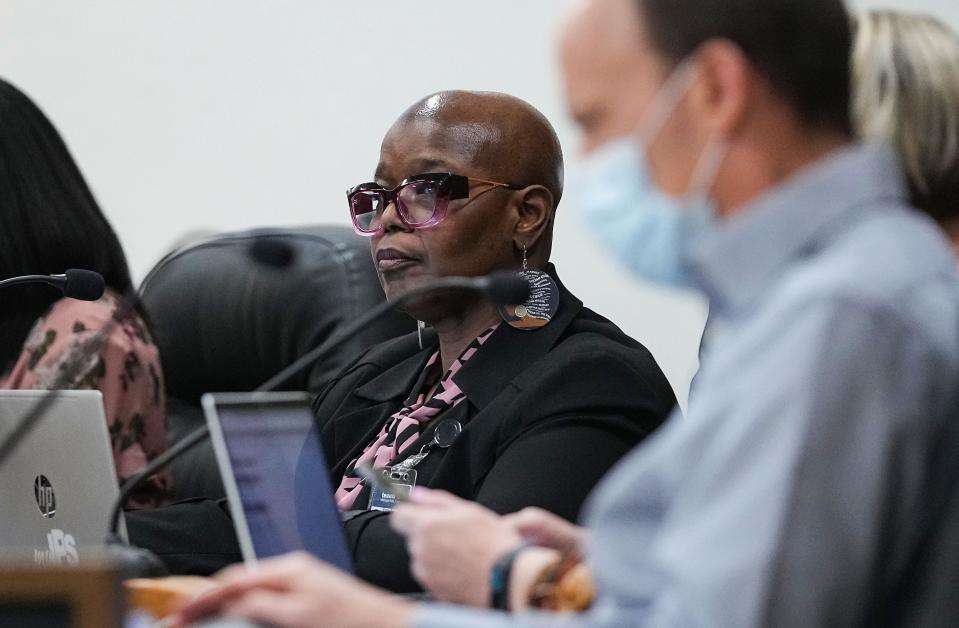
x=534 y=211
x=727 y=85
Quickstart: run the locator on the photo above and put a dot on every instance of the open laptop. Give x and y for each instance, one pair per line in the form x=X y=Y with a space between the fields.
x=57 y=487
x=275 y=475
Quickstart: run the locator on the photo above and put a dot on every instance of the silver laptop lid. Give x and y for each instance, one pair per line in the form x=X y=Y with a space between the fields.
x=58 y=485
x=275 y=476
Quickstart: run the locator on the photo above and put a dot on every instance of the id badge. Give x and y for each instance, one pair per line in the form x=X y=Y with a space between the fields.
x=401 y=483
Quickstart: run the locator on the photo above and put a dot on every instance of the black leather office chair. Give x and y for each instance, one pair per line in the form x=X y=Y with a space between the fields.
x=224 y=321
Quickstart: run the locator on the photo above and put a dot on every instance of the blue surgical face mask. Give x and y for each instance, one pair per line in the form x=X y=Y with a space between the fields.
x=644 y=228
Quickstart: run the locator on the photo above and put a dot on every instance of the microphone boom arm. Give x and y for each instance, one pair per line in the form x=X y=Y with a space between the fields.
x=452 y=283
x=50 y=280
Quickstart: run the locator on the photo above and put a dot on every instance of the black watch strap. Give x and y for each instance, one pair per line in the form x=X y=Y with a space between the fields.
x=500 y=577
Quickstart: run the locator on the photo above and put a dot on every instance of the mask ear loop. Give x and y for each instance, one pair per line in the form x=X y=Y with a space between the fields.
x=664 y=103
x=707 y=167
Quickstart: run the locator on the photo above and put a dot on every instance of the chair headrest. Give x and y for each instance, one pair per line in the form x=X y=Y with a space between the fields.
x=224 y=321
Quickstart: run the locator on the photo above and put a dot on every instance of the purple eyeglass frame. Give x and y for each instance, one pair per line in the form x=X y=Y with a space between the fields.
x=451 y=187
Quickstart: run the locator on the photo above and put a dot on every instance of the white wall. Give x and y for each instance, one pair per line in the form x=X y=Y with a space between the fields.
x=227 y=114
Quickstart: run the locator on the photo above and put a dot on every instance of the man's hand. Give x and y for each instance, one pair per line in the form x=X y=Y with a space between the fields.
x=540 y=527
x=453 y=544
x=298 y=591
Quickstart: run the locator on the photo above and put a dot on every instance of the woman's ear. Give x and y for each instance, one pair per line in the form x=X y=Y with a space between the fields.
x=534 y=213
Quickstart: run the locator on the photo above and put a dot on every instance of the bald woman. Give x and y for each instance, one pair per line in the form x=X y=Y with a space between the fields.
x=530 y=410
x=544 y=412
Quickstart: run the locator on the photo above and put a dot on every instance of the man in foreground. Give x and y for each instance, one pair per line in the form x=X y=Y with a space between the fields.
x=814 y=463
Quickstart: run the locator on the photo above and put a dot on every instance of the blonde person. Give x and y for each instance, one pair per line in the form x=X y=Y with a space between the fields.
x=906 y=92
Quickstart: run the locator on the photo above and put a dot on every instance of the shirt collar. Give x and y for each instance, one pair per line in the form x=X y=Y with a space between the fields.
x=734 y=263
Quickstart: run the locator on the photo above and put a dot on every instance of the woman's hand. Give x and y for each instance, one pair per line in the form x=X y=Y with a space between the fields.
x=540 y=527
x=298 y=591
x=453 y=544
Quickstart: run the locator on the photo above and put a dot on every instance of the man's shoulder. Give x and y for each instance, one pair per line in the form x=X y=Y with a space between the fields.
x=893 y=259
x=894 y=265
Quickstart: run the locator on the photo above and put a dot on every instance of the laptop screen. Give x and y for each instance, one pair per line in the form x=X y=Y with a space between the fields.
x=281 y=479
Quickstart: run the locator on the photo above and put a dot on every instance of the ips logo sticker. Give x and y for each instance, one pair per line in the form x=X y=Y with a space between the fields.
x=46 y=500
x=61 y=548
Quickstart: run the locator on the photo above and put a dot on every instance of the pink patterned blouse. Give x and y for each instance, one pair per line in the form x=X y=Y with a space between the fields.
x=404 y=427
x=127 y=371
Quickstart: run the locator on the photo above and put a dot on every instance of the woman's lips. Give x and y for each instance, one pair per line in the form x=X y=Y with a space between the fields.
x=390 y=259
x=391 y=264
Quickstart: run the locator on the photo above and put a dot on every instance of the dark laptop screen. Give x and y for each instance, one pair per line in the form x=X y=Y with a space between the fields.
x=282 y=480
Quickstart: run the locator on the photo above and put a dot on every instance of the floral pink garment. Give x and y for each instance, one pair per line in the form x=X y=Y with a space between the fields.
x=127 y=371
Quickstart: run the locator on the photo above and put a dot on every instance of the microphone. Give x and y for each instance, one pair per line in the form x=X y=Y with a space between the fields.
x=76 y=283
x=84 y=285
x=502 y=288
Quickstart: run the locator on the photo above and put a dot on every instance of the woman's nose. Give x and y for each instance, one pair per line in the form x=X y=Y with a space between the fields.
x=391 y=220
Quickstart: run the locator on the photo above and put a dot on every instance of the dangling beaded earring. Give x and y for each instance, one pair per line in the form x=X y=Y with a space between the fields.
x=540 y=307
x=420 y=325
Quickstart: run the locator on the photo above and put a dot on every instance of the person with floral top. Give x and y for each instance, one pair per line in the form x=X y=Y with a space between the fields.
x=50 y=222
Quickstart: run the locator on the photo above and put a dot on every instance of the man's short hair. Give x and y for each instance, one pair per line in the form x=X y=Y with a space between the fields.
x=802 y=47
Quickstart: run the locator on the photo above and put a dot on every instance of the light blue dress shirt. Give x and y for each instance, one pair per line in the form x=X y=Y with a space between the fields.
x=797 y=486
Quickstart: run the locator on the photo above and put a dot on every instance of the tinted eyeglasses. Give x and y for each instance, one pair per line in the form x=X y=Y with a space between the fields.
x=421 y=200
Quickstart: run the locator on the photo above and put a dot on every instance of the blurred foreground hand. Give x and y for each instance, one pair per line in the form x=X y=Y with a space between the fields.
x=297 y=591
x=454 y=543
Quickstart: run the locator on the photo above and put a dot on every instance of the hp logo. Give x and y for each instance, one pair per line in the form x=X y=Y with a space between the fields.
x=46 y=501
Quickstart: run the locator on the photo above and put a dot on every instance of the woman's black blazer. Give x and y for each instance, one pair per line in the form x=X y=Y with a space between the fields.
x=548 y=412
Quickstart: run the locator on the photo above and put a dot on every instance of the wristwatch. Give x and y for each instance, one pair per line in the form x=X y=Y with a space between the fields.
x=500 y=576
